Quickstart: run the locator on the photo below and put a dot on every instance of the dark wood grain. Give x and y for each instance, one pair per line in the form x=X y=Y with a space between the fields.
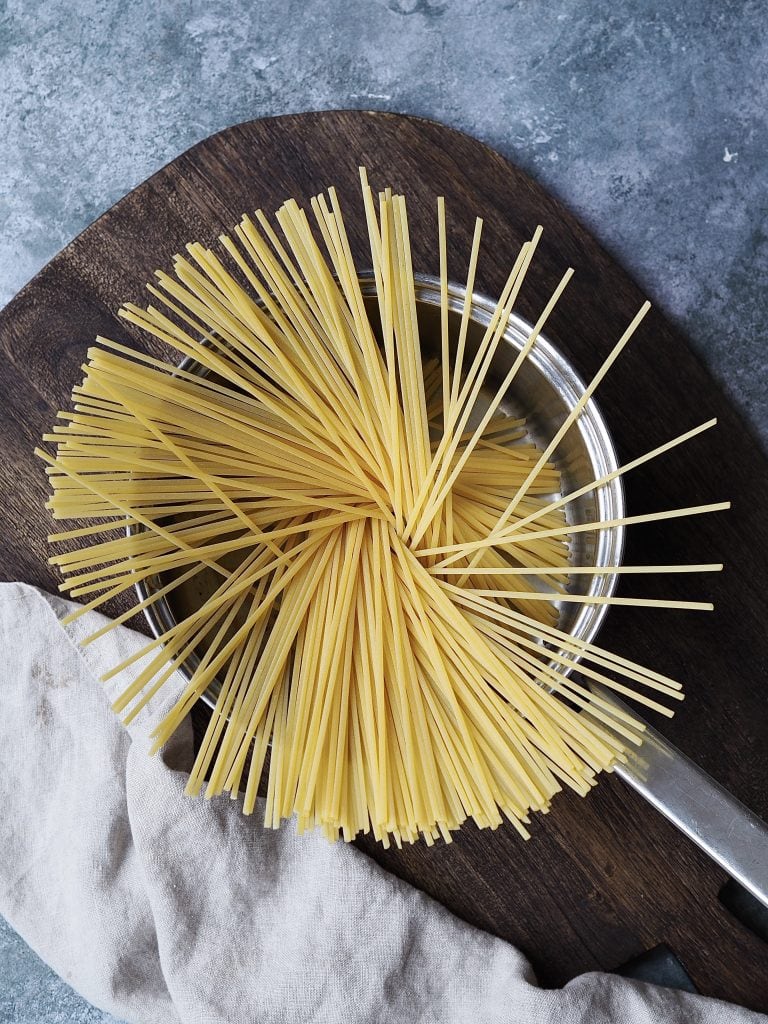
x=604 y=878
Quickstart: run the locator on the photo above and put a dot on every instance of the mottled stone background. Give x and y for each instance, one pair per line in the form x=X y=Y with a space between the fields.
x=648 y=119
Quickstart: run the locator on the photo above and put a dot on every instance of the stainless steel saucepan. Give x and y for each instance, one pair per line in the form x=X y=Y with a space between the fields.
x=544 y=392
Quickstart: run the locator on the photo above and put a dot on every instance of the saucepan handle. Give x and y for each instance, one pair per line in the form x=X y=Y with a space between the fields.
x=701 y=808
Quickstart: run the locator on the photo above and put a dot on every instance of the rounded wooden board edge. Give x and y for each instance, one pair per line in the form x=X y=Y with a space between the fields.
x=611 y=812
x=543 y=196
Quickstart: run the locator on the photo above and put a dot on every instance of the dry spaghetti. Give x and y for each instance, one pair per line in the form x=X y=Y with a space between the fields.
x=387 y=567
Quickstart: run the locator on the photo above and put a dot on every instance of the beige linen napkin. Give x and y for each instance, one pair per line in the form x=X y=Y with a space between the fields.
x=158 y=908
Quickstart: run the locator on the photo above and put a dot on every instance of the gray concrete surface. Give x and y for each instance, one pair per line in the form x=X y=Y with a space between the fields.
x=30 y=993
x=648 y=119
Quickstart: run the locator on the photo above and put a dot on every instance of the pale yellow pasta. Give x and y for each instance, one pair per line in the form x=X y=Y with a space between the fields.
x=383 y=574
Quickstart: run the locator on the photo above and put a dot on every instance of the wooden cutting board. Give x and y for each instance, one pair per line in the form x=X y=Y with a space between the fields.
x=605 y=878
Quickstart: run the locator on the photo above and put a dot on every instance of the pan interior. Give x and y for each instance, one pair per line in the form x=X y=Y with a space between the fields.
x=544 y=391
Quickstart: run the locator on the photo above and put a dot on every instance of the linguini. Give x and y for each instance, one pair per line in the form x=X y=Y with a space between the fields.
x=387 y=567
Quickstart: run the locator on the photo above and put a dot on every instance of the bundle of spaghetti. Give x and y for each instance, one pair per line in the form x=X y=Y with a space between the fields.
x=387 y=564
